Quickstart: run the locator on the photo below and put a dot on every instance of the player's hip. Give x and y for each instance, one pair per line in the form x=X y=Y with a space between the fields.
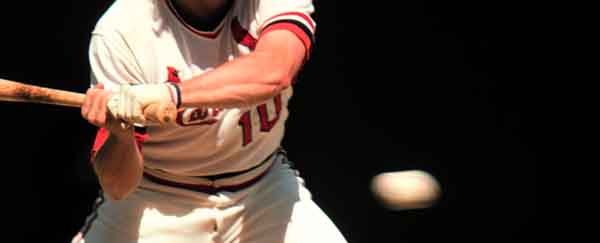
x=222 y=189
x=150 y=210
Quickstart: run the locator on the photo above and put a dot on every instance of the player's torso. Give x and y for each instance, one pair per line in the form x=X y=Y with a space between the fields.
x=206 y=140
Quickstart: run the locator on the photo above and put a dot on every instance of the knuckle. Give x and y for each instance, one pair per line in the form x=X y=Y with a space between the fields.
x=85 y=105
x=91 y=117
x=92 y=92
x=101 y=118
x=97 y=121
x=84 y=110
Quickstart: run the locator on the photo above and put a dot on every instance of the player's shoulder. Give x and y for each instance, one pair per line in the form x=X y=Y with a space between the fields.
x=254 y=13
x=125 y=17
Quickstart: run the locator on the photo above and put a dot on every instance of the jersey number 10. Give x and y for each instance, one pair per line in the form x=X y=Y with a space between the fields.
x=266 y=123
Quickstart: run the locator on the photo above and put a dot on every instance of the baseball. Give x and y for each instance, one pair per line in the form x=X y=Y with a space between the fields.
x=402 y=190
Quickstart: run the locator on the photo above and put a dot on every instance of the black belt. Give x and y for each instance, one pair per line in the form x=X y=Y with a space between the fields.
x=212 y=189
x=232 y=174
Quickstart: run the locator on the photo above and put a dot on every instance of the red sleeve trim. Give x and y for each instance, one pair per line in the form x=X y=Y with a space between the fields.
x=102 y=136
x=241 y=35
x=301 y=34
x=299 y=14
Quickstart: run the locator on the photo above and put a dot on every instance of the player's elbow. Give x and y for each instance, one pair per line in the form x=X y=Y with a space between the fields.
x=274 y=70
x=119 y=188
x=118 y=197
x=115 y=196
x=278 y=80
x=117 y=192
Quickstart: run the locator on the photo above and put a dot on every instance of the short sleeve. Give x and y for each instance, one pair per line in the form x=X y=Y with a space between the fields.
x=292 y=15
x=112 y=63
x=102 y=134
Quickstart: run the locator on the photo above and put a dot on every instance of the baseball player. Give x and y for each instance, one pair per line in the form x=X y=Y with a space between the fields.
x=219 y=174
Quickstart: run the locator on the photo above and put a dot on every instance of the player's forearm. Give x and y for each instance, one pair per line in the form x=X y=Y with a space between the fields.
x=243 y=81
x=119 y=166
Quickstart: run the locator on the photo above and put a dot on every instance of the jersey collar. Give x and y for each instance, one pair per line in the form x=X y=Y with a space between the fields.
x=206 y=34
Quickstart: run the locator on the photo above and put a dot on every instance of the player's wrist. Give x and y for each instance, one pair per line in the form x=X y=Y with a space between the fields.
x=130 y=102
x=147 y=94
x=175 y=93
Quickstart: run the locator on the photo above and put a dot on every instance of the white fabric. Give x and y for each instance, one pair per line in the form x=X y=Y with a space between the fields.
x=143 y=42
x=278 y=209
x=137 y=41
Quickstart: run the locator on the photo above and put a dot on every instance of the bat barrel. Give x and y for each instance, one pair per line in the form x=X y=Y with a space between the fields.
x=19 y=92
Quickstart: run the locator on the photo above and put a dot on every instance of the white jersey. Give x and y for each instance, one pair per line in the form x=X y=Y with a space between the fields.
x=146 y=41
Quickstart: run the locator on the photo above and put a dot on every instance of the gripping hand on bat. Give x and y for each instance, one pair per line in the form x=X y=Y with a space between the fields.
x=127 y=104
x=95 y=110
x=151 y=101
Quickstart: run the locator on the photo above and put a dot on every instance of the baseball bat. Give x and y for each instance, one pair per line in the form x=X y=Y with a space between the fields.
x=12 y=91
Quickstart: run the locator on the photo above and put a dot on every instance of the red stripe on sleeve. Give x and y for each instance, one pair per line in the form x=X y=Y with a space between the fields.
x=299 y=14
x=294 y=29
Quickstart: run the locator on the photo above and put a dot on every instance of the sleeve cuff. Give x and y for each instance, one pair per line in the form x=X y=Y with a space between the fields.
x=102 y=135
x=297 y=28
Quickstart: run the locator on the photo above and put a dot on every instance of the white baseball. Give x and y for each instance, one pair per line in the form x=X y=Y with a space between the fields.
x=402 y=190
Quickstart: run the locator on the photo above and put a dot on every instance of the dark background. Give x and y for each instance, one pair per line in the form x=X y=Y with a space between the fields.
x=430 y=85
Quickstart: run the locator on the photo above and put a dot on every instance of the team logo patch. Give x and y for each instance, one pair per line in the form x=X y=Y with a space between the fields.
x=198 y=116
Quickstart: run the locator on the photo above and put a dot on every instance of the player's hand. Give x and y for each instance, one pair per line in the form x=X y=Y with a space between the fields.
x=129 y=102
x=95 y=111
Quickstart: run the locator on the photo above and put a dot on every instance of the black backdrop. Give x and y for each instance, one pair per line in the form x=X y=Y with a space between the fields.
x=430 y=85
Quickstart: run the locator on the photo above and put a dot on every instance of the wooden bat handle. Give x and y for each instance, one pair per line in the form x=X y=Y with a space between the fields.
x=163 y=113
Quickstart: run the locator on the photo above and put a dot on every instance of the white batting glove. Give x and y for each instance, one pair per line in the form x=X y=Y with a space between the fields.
x=125 y=107
x=129 y=102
